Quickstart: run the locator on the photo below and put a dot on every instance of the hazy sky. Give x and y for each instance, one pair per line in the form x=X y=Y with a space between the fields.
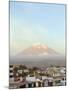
x=32 y=23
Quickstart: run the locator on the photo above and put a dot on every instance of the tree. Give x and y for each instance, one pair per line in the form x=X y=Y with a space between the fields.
x=22 y=67
x=35 y=68
x=15 y=69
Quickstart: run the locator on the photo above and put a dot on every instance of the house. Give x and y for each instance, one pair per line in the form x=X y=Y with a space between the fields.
x=44 y=77
x=20 y=71
x=26 y=70
x=62 y=70
x=34 y=82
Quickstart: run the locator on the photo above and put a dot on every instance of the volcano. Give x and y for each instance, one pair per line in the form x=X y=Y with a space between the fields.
x=38 y=49
x=38 y=55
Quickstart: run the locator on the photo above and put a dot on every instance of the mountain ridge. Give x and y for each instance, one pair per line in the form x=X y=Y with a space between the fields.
x=38 y=49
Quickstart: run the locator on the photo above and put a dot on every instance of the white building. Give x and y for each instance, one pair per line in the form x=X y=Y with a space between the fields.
x=34 y=82
x=30 y=79
x=20 y=71
x=26 y=70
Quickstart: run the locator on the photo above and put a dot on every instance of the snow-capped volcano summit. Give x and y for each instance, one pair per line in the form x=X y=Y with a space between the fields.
x=39 y=46
x=38 y=49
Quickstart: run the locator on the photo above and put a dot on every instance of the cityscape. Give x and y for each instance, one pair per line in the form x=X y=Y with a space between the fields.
x=37 y=45
x=23 y=77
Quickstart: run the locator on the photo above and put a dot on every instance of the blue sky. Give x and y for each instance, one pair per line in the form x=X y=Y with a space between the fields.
x=32 y=23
